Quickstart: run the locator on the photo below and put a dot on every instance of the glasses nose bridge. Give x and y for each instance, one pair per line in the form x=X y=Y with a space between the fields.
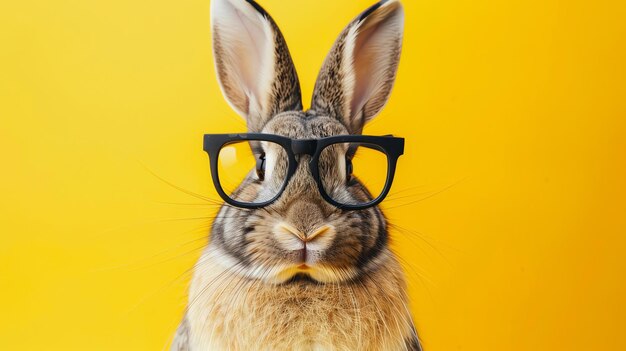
x=303 y=147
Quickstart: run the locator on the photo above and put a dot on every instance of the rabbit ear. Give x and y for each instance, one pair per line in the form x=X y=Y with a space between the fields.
x=254 y=67
x=356 y=79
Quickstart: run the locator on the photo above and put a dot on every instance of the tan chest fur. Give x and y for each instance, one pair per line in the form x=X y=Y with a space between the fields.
x=229 y=312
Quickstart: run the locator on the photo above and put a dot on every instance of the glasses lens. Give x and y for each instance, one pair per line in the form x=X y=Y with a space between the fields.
x=353 y=173
x=252 y=171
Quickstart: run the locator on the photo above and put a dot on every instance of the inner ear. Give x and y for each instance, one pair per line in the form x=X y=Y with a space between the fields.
x=254 y=67
x=377 y=45
x=358 y=74
x=367 y=65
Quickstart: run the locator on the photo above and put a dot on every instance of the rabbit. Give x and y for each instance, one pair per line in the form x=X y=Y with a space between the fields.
x=355 y=297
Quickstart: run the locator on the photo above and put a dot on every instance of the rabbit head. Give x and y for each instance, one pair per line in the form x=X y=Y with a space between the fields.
x=300 y=237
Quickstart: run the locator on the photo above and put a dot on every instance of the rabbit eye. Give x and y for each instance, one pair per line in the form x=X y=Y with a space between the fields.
x=260 y=166
x=349 y=169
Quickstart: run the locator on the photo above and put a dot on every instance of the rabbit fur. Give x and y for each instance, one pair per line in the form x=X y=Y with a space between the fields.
x=247 y=292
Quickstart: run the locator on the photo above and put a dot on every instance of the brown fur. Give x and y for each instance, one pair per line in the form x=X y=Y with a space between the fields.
x=244 y=314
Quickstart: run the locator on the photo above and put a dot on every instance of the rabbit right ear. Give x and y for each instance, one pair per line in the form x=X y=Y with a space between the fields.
x=254 y=67
x=356 y=79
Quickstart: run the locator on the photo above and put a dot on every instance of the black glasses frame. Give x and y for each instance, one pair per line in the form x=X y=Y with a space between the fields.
x=393 y=147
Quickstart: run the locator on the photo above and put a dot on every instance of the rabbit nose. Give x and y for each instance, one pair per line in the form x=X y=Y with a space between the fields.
x=293 y=239
x=304 y=237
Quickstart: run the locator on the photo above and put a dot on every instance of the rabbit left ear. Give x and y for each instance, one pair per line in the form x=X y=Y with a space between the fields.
x=254 y=67
x=359 y=72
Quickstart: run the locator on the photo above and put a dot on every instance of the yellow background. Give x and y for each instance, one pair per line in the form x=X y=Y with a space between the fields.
x=509 y=204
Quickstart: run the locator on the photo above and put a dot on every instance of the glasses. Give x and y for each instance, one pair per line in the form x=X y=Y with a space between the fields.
x=253 y=170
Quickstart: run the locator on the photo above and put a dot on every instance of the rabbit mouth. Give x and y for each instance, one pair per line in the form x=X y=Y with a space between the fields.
x=301 y=278
x=318 y=274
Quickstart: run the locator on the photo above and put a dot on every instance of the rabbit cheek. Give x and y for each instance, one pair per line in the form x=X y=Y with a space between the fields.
x=362 y=236
x=344 y=253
